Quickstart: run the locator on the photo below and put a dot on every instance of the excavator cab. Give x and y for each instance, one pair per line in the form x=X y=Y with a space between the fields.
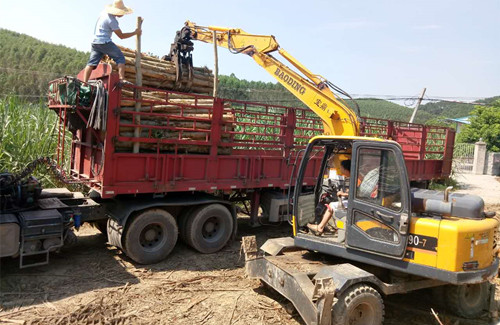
x=376 y=216
x=385 y=223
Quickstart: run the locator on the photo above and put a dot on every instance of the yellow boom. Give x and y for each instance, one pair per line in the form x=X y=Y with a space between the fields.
x=313 y=91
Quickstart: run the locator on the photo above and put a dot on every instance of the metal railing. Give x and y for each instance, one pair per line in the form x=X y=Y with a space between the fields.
x=463 y=157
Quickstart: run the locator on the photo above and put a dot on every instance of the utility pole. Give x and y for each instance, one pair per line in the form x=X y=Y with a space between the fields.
x=418 y=104
x=138 y=82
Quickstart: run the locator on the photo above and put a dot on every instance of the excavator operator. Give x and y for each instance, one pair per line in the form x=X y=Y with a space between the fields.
x=318 y=229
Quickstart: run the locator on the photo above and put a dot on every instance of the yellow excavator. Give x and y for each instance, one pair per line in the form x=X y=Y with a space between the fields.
x=385 y=237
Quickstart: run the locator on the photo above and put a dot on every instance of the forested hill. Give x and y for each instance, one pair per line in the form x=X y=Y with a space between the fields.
x=273 y=93
x=452 y=109
x=28 y=64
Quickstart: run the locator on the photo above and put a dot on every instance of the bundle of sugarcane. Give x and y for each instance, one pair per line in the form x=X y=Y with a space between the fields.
x=157 y=98
x=161 y=74
x=185 y=117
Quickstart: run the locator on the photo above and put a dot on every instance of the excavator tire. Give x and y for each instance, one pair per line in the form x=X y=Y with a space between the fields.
x=150 y=236
x=467 y=300
x=358 y=305
x=209 y=228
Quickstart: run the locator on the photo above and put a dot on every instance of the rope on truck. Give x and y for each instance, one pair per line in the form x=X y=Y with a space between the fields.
x=98 y=114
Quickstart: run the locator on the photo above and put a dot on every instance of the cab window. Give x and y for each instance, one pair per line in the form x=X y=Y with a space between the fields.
x=379 y=179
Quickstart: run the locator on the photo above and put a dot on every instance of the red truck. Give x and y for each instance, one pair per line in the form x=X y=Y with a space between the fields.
x=150 y=187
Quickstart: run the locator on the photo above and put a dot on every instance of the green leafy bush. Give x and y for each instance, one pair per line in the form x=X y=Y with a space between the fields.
x=485 y=125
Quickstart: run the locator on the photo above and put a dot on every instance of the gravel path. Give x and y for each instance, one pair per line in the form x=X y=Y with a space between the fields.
x=486 y=186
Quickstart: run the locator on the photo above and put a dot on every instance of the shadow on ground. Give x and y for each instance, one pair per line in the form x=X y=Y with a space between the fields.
x=92 y=265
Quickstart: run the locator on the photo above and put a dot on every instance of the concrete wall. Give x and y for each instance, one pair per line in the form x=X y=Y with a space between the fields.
x=485 y=162
x=492 y=164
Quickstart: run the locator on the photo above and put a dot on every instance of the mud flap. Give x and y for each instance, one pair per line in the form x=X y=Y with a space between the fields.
x=115 y=231
x=275 y=246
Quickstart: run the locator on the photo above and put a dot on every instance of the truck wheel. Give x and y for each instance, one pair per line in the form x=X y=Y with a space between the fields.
x=102 y=226
x=468 y=300
x=209 y=228
x=182 y=222
x=358 y=305
x=151 y=236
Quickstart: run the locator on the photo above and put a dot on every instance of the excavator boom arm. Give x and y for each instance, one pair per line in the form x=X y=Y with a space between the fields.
x=337 y=117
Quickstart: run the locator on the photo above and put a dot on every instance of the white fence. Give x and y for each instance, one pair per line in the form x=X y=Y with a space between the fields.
x=474 y=158
x=463 y=157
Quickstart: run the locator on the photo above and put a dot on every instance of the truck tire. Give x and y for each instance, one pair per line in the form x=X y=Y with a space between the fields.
x=468 y=300
x=102 y=226
x=182 y=222
x=209 y=228
x=358 y=305
x=150 y=237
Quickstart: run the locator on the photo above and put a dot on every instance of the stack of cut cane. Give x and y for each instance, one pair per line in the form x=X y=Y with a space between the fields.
x=157 y=73
x=184 y=117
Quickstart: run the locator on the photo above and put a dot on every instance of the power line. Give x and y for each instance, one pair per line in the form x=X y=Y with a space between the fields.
x=368 y=99
x=298 y=101
x=456 y=100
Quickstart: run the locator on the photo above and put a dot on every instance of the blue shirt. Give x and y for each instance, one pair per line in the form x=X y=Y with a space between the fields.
x=104 y=28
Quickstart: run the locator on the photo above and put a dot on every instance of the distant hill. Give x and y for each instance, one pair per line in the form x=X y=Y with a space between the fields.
x=448 y=109
x=274 y=93
x=438 y=112
x=28 y=64
x=380 y=108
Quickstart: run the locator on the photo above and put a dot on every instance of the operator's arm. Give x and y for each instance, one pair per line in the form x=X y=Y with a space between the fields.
x=342 y=193
x=123 y=35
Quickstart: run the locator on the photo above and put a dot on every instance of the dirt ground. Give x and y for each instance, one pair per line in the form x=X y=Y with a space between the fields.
x=486 y=186
x=95 y=284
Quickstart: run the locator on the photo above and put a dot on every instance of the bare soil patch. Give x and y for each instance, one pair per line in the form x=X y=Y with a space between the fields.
x=95 y=284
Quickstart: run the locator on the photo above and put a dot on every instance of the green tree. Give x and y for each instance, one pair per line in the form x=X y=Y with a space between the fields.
x=484 y=124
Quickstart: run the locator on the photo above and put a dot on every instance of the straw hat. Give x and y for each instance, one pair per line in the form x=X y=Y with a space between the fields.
x=118 y=8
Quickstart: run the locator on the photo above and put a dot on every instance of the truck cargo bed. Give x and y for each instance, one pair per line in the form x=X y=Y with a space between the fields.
x=179 y=142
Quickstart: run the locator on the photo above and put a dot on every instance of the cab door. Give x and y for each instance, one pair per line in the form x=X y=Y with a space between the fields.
x=379 y=200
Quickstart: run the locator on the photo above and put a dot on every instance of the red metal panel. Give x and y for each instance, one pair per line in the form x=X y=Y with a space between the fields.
x=426 y=148
x=248 y=145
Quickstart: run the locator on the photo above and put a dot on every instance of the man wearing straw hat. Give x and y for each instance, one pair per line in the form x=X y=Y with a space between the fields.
x=102 y=44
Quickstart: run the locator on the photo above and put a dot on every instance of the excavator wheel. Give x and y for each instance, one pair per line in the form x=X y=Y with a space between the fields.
x=151 y=236
x=209 y=228
x=358 y=305
x=468 y=300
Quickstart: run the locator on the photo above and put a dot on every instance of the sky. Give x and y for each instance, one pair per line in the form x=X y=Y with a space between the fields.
x=392 y=48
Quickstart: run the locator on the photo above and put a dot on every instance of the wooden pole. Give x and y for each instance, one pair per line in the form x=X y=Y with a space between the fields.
x=138 y=82
x=216 y=65
x=418 y=104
